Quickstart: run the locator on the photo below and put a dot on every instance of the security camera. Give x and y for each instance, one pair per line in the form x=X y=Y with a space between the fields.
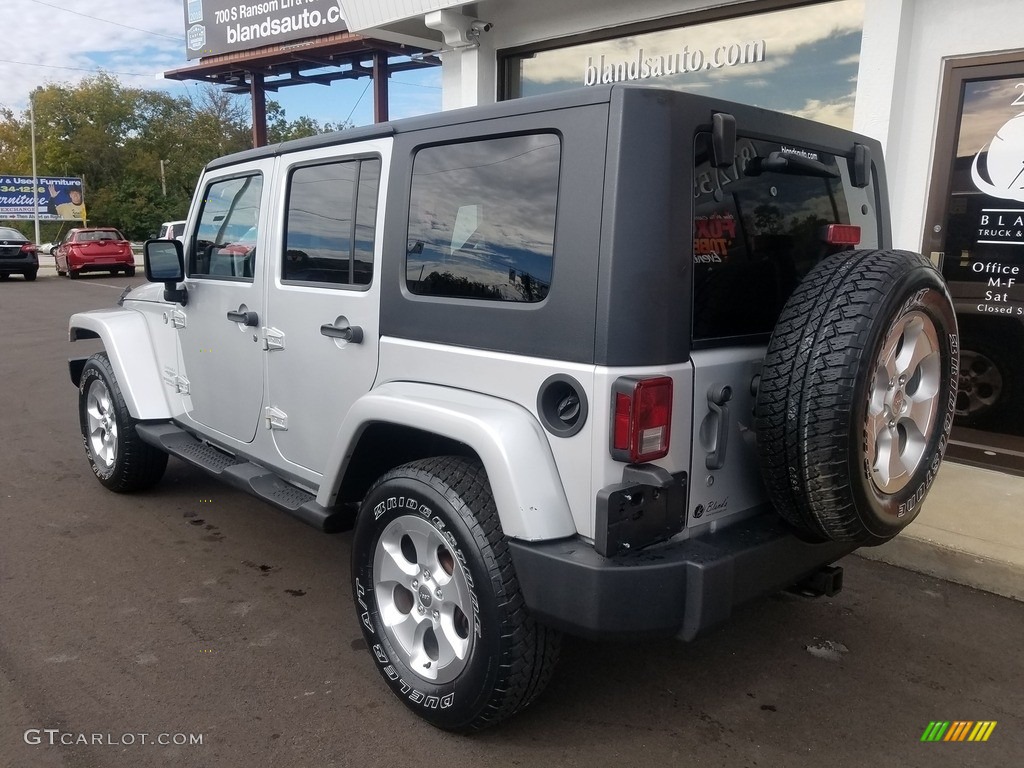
x=480 y=26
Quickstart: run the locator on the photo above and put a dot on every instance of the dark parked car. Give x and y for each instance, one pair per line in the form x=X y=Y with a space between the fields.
x=92 y=250
x=17 y=255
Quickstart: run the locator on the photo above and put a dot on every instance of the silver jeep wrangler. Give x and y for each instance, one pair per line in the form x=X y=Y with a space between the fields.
x=608 y=362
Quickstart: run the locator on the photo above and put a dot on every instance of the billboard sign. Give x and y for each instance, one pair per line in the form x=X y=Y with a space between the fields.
x=223 y=26
x=60 y=198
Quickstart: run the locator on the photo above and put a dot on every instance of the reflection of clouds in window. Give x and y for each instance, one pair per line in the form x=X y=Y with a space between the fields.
x=785 y=30
x=511 y=185
x=988 y=105
x=322 y=242
x=799 y=60
x=230 y=209
x=320 y=210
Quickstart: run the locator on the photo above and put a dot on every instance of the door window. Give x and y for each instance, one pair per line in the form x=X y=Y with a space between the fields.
x=331 y=223
x=224 y=246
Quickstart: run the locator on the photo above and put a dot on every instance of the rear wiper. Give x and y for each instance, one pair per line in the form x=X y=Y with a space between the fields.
x=791 y=165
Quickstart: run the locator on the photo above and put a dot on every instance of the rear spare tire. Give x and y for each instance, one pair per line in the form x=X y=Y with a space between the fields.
x=857 y=395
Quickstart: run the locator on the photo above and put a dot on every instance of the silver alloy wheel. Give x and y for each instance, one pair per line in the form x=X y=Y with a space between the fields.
x=904 y=401
x=102 y=422
x=424 y=598
x=980 y=384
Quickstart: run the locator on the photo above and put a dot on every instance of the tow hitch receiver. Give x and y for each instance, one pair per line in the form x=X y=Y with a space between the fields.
x=827 y=581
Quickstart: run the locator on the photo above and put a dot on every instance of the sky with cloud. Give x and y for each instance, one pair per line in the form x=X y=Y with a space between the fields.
x=63 y=41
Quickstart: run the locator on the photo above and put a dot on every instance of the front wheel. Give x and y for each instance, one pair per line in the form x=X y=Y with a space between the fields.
x=438 y=599
x=117 y=456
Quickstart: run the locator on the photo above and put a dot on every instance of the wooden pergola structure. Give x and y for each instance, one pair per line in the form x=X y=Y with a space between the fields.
x=321 y=60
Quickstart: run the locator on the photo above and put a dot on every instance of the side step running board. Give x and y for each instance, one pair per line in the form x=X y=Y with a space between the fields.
x=249 y=477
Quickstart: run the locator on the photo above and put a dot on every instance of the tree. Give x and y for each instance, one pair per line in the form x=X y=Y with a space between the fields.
x=115 y=138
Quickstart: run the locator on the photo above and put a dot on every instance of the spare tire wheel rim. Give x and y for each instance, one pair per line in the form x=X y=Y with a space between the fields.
x=903 y=403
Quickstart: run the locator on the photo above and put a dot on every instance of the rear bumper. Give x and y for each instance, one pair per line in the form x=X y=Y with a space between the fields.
x=100 y=266
x=18 y=265
x=681 y=589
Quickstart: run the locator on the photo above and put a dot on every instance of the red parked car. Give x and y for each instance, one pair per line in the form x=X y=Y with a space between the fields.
x=101 y=249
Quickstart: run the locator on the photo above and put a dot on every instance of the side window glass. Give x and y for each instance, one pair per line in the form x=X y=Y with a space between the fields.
x=331 y=222
x=224 y=245
x=482 y=219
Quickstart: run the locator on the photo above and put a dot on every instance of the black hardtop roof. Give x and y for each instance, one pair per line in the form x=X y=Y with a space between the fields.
x=575 y=97
x=767 y=122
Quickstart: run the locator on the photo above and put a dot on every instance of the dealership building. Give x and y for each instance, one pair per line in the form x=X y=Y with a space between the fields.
x=940 y=83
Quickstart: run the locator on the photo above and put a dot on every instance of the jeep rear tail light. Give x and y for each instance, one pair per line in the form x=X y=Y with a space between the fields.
x=641 y=418
x=841 y=234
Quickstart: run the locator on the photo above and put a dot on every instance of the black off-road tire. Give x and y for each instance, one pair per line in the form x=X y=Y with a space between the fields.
x=118 y=458
x=857 y=395
x=428 y=537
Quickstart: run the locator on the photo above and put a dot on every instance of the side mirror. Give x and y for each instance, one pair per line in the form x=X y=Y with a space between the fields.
x=165 y=263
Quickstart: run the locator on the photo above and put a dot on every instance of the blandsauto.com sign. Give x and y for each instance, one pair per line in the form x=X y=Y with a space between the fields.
x=643 y=66
x=221 y=26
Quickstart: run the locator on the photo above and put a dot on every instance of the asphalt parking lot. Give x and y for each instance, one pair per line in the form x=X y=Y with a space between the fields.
x=195 y=611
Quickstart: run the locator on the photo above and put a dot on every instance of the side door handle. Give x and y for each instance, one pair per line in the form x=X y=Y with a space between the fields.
x=340 y=329
x=244 y=316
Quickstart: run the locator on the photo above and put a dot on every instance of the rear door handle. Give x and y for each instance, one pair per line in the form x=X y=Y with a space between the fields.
x=245 y=317
x=340 y=329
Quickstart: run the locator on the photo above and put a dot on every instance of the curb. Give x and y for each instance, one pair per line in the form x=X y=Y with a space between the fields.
x=958 y=566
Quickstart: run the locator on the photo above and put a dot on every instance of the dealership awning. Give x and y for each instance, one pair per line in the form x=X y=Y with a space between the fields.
x=318 y=61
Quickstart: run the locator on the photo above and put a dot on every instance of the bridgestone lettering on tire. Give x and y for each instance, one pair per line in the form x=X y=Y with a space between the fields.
x=857 y=395
x=438 y=600
x=119 y=459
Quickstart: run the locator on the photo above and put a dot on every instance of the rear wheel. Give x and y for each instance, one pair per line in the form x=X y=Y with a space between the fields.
x=439 y=601
x=73 y=274
x=119 y=459
x=4 y=275
x=31 y=274
x=130 y=272
x=857 y=394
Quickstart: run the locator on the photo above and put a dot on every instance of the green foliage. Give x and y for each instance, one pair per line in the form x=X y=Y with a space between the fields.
x=114 y=137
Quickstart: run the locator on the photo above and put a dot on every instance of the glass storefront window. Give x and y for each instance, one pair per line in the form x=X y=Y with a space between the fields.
x=803 y=61
x=984 y=251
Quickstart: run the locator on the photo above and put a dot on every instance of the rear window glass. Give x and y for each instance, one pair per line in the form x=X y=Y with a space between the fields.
x=757 y=230
x=482 y=219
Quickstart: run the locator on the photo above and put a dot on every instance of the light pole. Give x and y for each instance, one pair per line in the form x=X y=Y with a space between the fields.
x=163 y=179
x=35 y=178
